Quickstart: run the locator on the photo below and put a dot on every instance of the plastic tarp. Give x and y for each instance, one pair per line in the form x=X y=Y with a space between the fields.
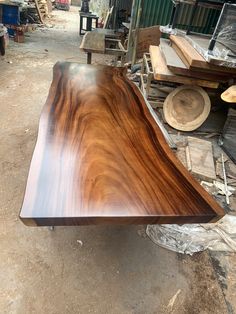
x=192 y=238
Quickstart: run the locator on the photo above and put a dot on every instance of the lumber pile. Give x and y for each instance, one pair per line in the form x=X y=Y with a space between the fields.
x=182 y=58
x=176 y=61
x=164 y=72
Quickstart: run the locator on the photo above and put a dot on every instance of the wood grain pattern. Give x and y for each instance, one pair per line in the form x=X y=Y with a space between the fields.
x=187 y=107
x=93 y=42
x=201 y=160
x=101 y=158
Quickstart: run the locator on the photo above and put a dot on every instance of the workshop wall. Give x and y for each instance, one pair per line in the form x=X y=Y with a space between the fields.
x=100 y=7
x=158 y=12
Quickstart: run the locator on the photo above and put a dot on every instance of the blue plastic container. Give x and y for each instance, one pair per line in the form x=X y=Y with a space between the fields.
x=10 y=15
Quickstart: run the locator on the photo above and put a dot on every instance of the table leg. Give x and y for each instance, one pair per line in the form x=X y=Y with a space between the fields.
x=89 y=57
x=89 y=24
x=80 y=25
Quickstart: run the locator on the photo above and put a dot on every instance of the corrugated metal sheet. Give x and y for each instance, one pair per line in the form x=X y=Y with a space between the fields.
x=124 y=4
x=158 y=12
x=155 y=12
x=101 y=6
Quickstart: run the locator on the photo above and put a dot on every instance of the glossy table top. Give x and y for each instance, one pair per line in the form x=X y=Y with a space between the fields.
x=100 y=158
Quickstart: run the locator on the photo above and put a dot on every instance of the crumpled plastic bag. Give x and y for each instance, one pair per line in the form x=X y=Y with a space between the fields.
x=192 y=238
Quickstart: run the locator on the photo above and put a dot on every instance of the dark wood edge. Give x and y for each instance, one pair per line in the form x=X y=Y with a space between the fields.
x=135 y=220
x=178 y=165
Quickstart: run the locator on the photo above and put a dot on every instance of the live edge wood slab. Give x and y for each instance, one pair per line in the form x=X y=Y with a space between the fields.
x=100 y=158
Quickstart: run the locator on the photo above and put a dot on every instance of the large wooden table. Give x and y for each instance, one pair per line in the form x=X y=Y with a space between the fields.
x=100 y=158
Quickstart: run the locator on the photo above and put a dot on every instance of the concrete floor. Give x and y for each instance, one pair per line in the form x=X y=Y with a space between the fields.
x=81 y=269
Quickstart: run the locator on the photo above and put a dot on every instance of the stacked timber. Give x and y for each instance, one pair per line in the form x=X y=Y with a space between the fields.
x=182 y=58
x=179 y=61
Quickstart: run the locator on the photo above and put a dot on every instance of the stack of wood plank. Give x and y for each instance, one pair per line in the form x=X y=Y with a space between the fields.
x=181 y=59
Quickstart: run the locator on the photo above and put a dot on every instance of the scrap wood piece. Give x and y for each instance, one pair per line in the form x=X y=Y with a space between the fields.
x=172 y=300
x=229 y=95
x=147 y=36
x=100 y=158
x=194 y=60
x=162 y=73
x=200 y=160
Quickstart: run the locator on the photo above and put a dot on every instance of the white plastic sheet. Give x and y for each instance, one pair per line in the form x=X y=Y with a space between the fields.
x=191 y=238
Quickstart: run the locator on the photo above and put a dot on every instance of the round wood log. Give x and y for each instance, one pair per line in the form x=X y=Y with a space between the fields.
x=230 y=94
x=187 y=107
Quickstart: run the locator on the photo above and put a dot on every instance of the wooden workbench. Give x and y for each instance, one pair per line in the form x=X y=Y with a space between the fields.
x=100 y=158
x=97 y=42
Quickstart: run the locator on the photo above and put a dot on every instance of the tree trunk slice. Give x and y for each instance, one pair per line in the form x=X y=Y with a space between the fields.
x=187 y=107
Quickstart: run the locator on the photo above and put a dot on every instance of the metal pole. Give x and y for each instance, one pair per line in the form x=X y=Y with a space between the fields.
x=136 y=32
x=217 y=29
x=116 y=2
x=131 y=28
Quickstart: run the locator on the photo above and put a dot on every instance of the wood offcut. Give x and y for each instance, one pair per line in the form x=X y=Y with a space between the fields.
x=100 y=158
x=200 y=158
